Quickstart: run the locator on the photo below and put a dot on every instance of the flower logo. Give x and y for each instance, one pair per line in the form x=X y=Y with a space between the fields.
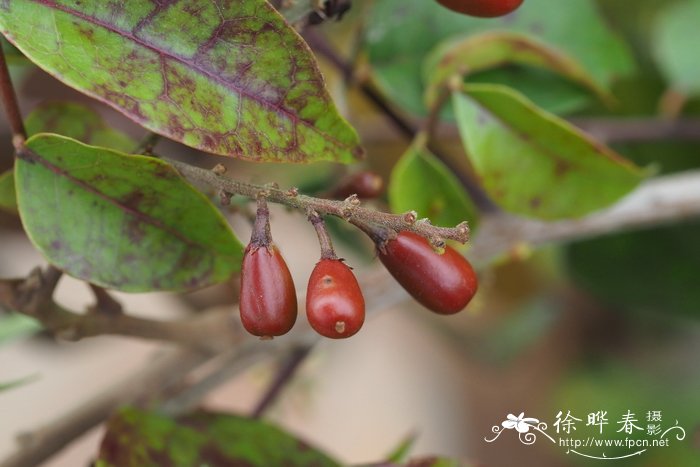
x=520 y=423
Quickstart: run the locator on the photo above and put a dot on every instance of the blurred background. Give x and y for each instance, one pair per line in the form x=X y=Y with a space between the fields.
x=607 y=323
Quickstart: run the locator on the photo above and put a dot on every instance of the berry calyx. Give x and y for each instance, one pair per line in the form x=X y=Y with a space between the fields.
x=335 y=306
x=482 y=8
x=444 y=283
x=268 y=302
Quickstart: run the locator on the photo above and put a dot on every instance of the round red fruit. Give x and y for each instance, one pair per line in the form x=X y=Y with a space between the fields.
x=268 y=299
x=335 y=306
x=443 y=283
x=482 y=8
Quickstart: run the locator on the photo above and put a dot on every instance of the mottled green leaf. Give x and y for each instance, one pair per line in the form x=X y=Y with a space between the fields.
x=7 y=385
x=76 y=121
x=125 y=222
x=15 y=325
x=8 y=198
x=676 y=45
x=481 y=52
x=422 y=183
x=137 y=438
x=533 y=163
x=400 y=34
x=231 y=78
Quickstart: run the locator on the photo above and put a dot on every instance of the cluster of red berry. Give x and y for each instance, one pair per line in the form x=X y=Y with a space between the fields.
x=335 y=307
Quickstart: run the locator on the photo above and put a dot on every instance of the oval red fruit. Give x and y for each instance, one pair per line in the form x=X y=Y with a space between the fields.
x=365 y=184
x=335 y=306
x=482 y=8
x=268 y=302
x=443 y=283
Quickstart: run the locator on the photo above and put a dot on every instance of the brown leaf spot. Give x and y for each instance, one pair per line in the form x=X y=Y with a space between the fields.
x=135 y=230
x=561 y=168
x=210 y=454
x=133 y=199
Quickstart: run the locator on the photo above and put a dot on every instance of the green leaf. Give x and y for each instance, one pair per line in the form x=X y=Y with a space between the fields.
x=14 y=326
x=399 y=453
x=6 y=386
x=481 y=52
x=420 y=182
x=228 y=78
x=401 y=34
x=137 y=438
x=655 y=270
x=76 y=121
x=676 y=44
x=533 y=163
x=8 y=198
x=621 y=386
x=130 y=223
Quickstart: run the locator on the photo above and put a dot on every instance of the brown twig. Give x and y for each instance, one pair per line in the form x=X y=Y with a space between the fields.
x=662 y=200
x=104 y=302
x=32 y=296
x=147 y=144
x=285 y=374
x=9 y=99
x=347 y=209
x=639 y=130
x=324 y=238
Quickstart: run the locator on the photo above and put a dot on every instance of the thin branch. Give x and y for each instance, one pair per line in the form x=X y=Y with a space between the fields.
x=638 y=130
x=104 y=302
x=324 y=238
x=612 y=129
x=206 y=332
x=9 y=99
x=431 y=124
x=147 y=144
x=343 y=209
x=230 y=366
x=170 y=367
x=659 y=201
x=285 y=374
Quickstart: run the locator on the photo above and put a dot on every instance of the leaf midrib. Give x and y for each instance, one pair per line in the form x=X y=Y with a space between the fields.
x=191 y=65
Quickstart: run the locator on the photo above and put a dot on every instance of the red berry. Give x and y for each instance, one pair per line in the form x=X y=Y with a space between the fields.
x=268 y=299
x=365 y=184
x=482 y=8
x=335 y=306
x=443 y=283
